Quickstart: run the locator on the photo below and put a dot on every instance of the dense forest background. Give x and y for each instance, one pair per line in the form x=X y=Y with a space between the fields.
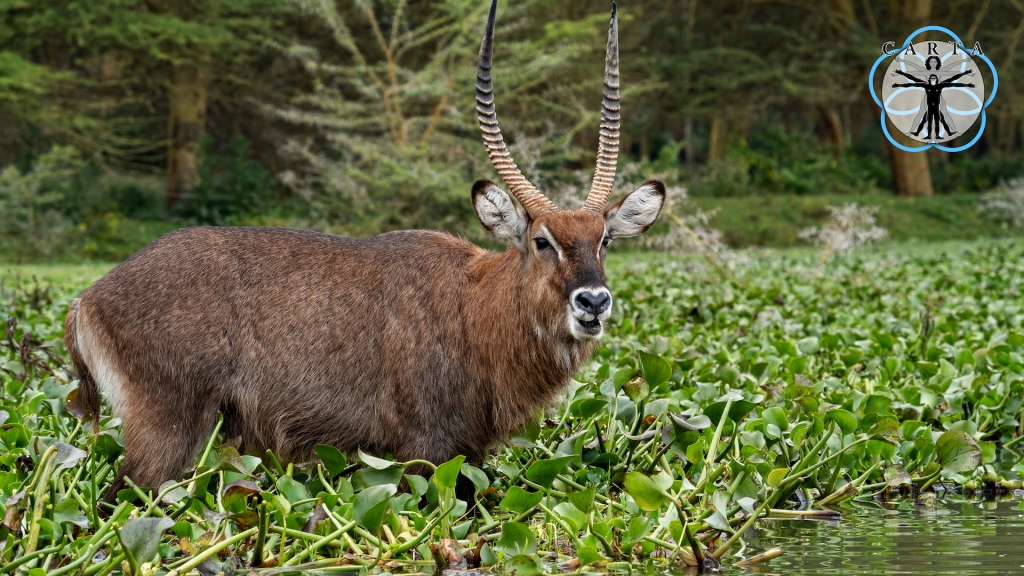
x=123 y=119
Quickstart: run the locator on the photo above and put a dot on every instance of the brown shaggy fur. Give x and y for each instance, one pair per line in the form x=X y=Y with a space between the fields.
x=414 y=343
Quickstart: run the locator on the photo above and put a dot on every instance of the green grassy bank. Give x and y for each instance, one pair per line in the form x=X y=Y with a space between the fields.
x=777 y=220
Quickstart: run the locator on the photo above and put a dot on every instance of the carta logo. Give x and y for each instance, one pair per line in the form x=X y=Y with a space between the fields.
x=933 y=91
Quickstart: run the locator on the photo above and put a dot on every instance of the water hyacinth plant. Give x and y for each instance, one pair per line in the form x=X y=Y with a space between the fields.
x=713 y=403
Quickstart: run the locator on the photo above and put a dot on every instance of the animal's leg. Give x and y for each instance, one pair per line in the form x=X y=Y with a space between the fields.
x=160 y=439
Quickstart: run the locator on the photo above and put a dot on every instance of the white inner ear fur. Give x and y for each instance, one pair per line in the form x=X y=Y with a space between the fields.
x=636 y=213
x=500 y=215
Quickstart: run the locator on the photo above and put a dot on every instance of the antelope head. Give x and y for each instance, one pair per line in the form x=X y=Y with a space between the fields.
x=562 y=250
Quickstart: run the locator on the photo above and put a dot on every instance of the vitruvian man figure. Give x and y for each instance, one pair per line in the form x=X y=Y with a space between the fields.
x=933 y=106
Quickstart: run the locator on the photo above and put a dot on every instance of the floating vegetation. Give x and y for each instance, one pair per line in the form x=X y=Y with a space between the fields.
x=715 y=403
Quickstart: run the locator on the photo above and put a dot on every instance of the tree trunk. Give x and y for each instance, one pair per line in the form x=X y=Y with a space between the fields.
x=190 y=83
x=740 y=126
x=689 y=146
x=716 y=140
x=1006 y=133
x=832 y=127
x=937 y=157
x=917 y=12
x=910 y=174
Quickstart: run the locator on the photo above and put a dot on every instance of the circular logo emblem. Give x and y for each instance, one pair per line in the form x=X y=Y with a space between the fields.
x=933 y=92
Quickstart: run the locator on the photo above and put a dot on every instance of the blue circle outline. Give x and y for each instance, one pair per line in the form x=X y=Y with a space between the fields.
x=906 y=43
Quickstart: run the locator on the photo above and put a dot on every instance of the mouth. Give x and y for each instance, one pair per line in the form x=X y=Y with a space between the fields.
x=586 y=330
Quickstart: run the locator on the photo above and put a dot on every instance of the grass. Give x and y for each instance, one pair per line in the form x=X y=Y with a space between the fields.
x=67 y=275
x=777 y=220
x=721 y=396
x=773 y=221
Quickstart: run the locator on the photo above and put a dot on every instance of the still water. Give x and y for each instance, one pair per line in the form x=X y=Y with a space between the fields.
x=957 y=536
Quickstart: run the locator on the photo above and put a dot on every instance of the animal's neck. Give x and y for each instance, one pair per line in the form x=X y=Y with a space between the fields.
x=522 y=362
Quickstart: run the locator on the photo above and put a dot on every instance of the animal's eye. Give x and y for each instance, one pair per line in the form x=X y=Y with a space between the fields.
x=606 y=241
x=542 y=243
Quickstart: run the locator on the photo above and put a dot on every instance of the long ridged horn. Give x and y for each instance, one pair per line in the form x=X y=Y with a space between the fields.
x=608 y=149
x=532 y=200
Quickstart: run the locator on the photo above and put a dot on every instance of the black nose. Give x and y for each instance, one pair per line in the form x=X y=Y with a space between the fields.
x=594 y=303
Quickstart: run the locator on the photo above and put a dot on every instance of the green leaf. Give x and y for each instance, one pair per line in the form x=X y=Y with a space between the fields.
x=374 y=462
x=698 y=422
x=487 y=557
x=510 y=470
x=227 y=458
x=175 y=495
x=447 y=474
x=584 y=499
x=141 y=536
x=236 y=494
x=695 y=451
x=67 y=456
x=417 y=484
x=570 y=513
x=739 y=409
x=887 y=427
x=876 y=404
x=585 y=408
x=656 y=370
x=720 y=499
x=544 y=472
x=516 y=539
x=374 y=477
x=636 y=390
x=639 y=526
x=67 y=510
x=645 y=492
x=518 y=500
x=957 y=451
x=718 y=521
x=988 y=452
x=588 y=556
x=808 y=345
x=896 y=476
x=369 y=506
x=777 y=416
x=775 y=477
x=524 y=565
x=663 y=481
x=334 y=461
x=292 y=490
x=844 y=419
x=280 y=503
x=622 y=376
x=476 y=476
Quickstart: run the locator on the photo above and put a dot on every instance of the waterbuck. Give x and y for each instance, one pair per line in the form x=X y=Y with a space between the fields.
x=414 y=343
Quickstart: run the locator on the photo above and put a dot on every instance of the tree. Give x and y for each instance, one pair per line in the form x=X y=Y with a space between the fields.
x=106 y=69
x=910 y=172
x=394 y=108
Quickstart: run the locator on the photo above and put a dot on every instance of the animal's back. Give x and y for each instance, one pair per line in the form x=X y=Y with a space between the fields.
x=298 y=337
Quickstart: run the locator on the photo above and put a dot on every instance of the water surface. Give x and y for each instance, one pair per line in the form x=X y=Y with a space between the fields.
x=957 y=536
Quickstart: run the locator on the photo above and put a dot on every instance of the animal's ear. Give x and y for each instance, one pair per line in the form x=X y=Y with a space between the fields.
x=498 y=213
x=635 y=213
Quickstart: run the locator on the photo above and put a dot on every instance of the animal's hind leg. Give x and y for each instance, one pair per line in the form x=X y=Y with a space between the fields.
x=160 y=439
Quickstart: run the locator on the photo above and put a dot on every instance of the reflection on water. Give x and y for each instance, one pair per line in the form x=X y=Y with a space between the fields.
x=956 y=536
